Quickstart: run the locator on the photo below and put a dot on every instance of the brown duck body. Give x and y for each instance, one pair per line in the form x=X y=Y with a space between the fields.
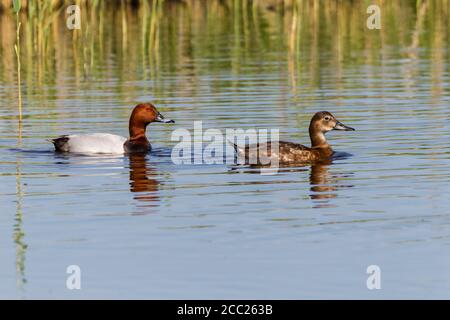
x=287 y=152
x=291 y=153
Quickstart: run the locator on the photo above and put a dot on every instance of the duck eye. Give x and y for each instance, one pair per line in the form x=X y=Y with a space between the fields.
x=327 y=118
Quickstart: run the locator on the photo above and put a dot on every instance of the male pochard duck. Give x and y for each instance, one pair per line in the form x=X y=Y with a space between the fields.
x=290 y=153
x=143 y=114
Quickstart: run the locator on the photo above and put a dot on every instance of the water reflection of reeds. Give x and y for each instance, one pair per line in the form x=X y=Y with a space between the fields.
x=150 y=37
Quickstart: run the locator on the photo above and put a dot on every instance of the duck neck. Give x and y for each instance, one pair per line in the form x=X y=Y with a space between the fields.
x=137 y=129
x=317 y=137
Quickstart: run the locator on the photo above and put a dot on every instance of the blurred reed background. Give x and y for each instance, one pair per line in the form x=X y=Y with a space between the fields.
x=146 y=37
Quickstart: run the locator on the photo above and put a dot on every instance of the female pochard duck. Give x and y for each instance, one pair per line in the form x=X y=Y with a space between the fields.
x=143 y=114
x=289 y=153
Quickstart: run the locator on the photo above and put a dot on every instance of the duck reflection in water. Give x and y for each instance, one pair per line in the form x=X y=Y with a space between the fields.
x=324 y=185
x=321 y=181
x=143 y=180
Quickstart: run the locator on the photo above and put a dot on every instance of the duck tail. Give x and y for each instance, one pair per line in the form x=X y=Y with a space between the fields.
x=60 y=143
x=238 y=149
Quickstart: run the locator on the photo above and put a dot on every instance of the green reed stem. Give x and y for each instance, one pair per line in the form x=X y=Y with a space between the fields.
x=16 y=7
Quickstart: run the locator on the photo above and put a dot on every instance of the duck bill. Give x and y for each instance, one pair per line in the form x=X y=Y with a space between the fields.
x=342 y=127
x=160 y=118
